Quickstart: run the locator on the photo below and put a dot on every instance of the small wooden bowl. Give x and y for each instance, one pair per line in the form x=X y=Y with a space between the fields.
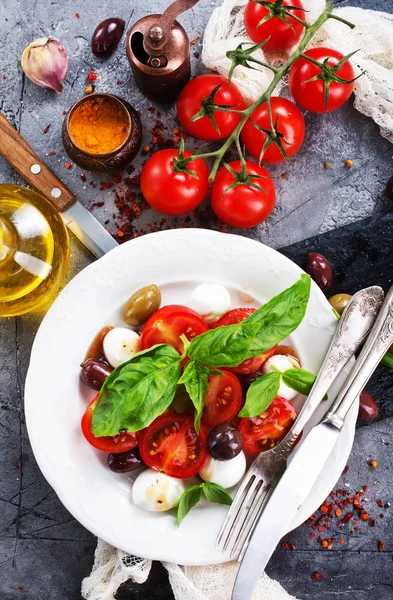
x=117 y=159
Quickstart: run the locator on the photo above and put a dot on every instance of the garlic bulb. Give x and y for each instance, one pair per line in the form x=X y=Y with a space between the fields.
x=45 y=62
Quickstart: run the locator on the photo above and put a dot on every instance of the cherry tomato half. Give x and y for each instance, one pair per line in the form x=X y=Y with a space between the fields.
x=311 y=94
x=266 y=431
x=115 y=444
x=223 y=399
x=168 y=323
x=243 y=205
x=289 y=122
x=171 y=192
x=250 y=365
x=171 y=445
x=282 y=33
x=190 y=102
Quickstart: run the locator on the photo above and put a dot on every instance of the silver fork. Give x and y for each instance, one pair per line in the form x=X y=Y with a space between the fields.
x=267 y=468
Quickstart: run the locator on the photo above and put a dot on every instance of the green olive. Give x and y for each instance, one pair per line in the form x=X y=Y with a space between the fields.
x=141 y=305
x=339 y=302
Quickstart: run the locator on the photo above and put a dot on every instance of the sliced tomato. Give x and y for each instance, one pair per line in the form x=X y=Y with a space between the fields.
x=266 y=431
x=171 y=445
x=115 y=444
x=167 y=324
x=223 y=399
x=250 y=365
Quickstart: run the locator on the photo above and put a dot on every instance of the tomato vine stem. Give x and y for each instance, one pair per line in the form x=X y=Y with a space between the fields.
x=279 y=73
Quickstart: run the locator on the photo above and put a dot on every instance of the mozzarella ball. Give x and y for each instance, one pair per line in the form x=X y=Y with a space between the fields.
x=157 y=492
x=211 y=301
x=121 y=344
x=282 y=362
x=225 y=473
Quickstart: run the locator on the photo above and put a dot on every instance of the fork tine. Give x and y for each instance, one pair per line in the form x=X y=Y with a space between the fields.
x=235 y=507
x=253 y=516
x=243 y=512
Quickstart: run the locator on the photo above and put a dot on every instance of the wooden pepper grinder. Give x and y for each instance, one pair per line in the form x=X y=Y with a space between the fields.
x=158 y=49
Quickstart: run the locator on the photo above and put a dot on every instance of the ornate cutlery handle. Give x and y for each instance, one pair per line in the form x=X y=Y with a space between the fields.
x=378 y=342
x=352 y=329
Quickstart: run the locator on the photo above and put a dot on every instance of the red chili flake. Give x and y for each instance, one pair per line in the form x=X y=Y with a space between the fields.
x=46 y=128
x=284 y=176
x=373 y=464
x=324 y=543
x=365 y=488
x=320 y=528
x=371 y=522
x=118 y=82
x=379 y=502
x=346 y=469
x=341 y=542
x=106 y=185
x=83 y=177
x=120 y=233
x=337 y=512
x=77 y=15
x=194 y=41
x=324 y=508
x=284 y=545
x=317 y=576
x=64 y=112
x=67 y=165
x=347 y=517
x=92 y=76
x=196 y=54
x=381 y=545
x=21 y=587
x=51 y=153
x=4 y=77
x=97 y=205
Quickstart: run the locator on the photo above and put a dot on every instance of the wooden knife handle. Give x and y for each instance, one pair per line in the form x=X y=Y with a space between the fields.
x=32 y=168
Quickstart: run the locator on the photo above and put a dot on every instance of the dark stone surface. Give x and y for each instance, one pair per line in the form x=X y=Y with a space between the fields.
x=42 y=548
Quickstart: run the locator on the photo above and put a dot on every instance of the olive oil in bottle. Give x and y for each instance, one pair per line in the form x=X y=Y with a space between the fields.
x=34 y=250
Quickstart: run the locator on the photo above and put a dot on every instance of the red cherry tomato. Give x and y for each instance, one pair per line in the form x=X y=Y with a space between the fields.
x=311 y=94
x=266 y=431
x=118 y=443
x=223 y=399
x=171 y=192
x=250 y=365
x=243 y=206
x=167 y=324
x=282 y=34
x=171 y=445
x=288 y=121
x=190 y=102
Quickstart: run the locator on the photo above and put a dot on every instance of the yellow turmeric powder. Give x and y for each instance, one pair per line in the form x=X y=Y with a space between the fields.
x=99 y=125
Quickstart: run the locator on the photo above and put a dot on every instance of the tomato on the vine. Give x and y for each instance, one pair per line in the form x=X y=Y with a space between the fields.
x=167 y=324
x=223 y=399
x=266 y=431
x=280 y=29
x=122 y=442
x=289 y=124
x=171 y=445
x=250 y=365
x=323 y=94
x=170 y=190
x=245 y=204
x=200 y=94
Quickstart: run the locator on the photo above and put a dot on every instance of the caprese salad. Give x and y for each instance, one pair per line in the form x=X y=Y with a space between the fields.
x=193 y=391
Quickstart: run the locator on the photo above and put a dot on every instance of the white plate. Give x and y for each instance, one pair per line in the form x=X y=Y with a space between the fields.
x=55 y=399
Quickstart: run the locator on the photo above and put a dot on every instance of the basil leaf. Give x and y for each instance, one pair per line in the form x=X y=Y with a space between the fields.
x=137 y=391
x=195 y=378
x=261 y=394
x=299 y=380
x=230 y=345
x=226 y=346
x=387 y=360
x=279 y=317
x=216 y=493
x=189 y=498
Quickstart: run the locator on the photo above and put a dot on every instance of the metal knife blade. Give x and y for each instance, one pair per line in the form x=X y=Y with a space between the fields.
x=290 y=493
x=88 y=230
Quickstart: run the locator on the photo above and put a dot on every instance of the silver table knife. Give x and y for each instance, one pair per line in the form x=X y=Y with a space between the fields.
x=32 y=168
x=309 y=460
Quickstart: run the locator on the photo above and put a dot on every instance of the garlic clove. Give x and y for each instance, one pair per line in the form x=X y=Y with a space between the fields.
x=45 y=63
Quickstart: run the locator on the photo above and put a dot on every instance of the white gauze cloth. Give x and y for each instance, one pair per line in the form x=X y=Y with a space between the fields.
x=372 y=36
x=112 y=567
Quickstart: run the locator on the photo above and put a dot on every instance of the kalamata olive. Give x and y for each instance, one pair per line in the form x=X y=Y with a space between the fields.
x=368 y=410
x=389 y=188
x=225 y=441
x=320 y=270
x=247 y=380
x=106 y=36
x=142 y=305
x=339 y=302
x=123 y=462
x=94 y=372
